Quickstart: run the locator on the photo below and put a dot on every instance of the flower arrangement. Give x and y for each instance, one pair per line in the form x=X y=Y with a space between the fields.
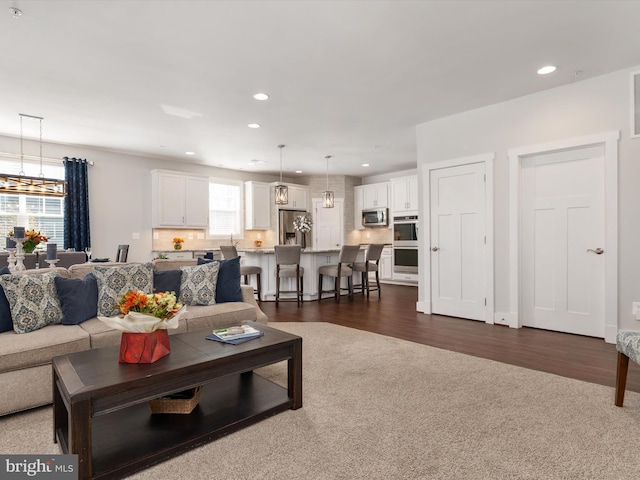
x=302 y=223
x=32 y=240
x=177 y=243
x=162 y=305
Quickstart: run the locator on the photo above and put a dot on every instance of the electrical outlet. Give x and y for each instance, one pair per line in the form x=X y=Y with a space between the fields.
x=156 y=235
x=190 y=236
x=635 y=310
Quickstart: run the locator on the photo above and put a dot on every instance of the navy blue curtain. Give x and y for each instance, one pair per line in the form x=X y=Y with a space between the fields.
x=77 y=233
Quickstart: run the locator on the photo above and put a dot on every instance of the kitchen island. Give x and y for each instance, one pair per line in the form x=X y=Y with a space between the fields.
x=310 y=260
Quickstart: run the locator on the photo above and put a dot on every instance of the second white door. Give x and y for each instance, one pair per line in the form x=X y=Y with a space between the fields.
x=562 y=247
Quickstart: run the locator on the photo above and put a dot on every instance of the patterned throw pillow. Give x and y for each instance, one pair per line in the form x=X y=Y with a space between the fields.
x=198 y=284
x=33 y=300
x=115 y=281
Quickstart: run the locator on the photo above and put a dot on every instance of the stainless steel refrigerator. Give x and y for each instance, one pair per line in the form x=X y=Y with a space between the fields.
x=288 y=235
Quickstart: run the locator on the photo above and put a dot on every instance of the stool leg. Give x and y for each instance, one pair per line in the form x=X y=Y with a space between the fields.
x=337 y=289
x=277 y=284
x=259 y=288
x=378 y=283
x=301 y=288
x=365 y=280
x=297 y=289
x=621 y=378
x=319 y=286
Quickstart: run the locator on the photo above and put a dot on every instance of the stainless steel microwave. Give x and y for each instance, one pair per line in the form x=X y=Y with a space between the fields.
x=375 y=217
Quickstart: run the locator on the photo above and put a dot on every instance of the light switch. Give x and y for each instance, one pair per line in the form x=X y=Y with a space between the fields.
x=136 y=235
x=156 y=235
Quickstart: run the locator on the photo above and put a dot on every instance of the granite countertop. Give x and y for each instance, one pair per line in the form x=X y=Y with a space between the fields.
x=306 y=250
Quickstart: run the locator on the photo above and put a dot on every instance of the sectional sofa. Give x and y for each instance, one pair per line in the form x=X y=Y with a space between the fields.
x=25 y=358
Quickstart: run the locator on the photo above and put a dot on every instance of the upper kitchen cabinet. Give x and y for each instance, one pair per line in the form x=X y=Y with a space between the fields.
x=257 y=205
x=375 y=195
x=179 y=200
x=404 y=193
x=298 y=198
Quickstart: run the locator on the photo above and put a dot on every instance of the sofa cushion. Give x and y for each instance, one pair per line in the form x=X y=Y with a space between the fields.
x=78 y=298
x=6 y=323
x=33 y=300
x=228 y=285
x=198 y=284
x=115 y=281
x=167 y=281
x=40 y=346
x=81 y=270
x=219 y=315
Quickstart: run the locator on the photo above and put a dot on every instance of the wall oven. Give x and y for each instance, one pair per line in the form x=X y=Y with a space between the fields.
x=405 y=244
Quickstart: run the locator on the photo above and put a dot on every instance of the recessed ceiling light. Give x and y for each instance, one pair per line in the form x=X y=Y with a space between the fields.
x=365 y=164
x=298 y=171
x=261 y=96
x=189 y=153
x=547 y=69
x=254 y=125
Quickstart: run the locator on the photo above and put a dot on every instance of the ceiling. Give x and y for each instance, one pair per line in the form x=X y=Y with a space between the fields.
x=349 y=79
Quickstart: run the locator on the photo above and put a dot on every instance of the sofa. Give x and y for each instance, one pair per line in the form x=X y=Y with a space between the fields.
x=25 y=358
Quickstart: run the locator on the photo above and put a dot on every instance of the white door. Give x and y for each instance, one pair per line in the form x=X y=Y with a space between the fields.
x=562 y=246
x=327 y=224
x=457 y=246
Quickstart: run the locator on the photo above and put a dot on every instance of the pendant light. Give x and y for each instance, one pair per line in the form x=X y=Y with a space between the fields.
x=327 y=195
x=281 y=191
x=40 y=186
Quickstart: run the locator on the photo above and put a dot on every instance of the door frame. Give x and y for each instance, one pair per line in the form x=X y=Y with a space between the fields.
x=424 y=258
x=610 y=142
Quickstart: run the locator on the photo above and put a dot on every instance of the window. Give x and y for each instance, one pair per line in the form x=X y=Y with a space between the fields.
x=43 y=214
x=225 y=208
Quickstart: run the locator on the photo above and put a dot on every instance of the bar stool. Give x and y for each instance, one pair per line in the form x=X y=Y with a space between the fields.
x=230 y=251
x=348 y=254
x=288 y=266
x=372 y=260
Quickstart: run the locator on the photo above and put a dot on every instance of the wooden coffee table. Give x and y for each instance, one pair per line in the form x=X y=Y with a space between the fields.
x=100 y=408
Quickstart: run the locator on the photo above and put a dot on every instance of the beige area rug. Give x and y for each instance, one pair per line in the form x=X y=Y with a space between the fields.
x=381 y=408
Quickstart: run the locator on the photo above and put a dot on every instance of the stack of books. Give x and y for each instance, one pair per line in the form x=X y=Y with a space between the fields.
x=235 y=335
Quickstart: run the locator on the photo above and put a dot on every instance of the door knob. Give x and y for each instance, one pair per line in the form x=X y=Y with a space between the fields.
x=435 y=249
x=597 y=251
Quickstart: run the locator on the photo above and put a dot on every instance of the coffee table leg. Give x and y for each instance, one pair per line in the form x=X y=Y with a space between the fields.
x=294 y=380
x=80 y=437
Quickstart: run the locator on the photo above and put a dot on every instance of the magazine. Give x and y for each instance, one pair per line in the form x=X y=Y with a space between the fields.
x=235 y=335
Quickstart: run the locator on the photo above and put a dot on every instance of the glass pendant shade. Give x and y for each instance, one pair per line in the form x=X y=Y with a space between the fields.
x=281 y=191
x=327 y=195
x=282 y=194
x=327 y=199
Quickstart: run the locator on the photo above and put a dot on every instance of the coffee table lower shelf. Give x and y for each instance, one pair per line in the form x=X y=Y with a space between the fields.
x=130 y=439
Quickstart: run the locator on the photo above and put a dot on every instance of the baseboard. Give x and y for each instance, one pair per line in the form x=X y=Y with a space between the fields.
x=508 y=319
x=610 y=333
x=424 y=307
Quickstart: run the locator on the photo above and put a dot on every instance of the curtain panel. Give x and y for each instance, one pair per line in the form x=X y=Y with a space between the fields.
x=77 y=232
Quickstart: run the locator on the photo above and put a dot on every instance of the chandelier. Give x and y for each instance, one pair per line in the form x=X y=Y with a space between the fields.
x=327 y=195
x=26 y=185
x=281 y=191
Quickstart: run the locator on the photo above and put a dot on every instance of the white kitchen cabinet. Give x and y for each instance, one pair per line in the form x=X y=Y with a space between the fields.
x=358 y=197
x=404 y=193
x=298 y=197
x=179 y=200
x=375 y=195
x=257 y=214
x=175 y=254
x=386 y=264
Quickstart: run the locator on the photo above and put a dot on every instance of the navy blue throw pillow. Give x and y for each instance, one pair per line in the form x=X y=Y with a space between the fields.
x=78 y=298
x=228 y=286
x=6 y=322
x=167 y=281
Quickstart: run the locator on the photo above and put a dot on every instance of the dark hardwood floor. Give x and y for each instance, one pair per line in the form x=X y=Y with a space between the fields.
x=584 y=358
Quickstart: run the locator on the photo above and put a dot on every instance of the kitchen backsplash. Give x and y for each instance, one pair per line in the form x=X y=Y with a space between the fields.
x=193 y=240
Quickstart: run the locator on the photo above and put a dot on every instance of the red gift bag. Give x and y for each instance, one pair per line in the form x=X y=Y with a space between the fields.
x=144 y=347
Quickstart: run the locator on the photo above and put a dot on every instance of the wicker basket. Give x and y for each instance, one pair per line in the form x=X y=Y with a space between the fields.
x=176 y=405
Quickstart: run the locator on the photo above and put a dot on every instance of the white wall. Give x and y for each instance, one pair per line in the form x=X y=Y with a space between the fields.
x=120 y=193
x=597 y=105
